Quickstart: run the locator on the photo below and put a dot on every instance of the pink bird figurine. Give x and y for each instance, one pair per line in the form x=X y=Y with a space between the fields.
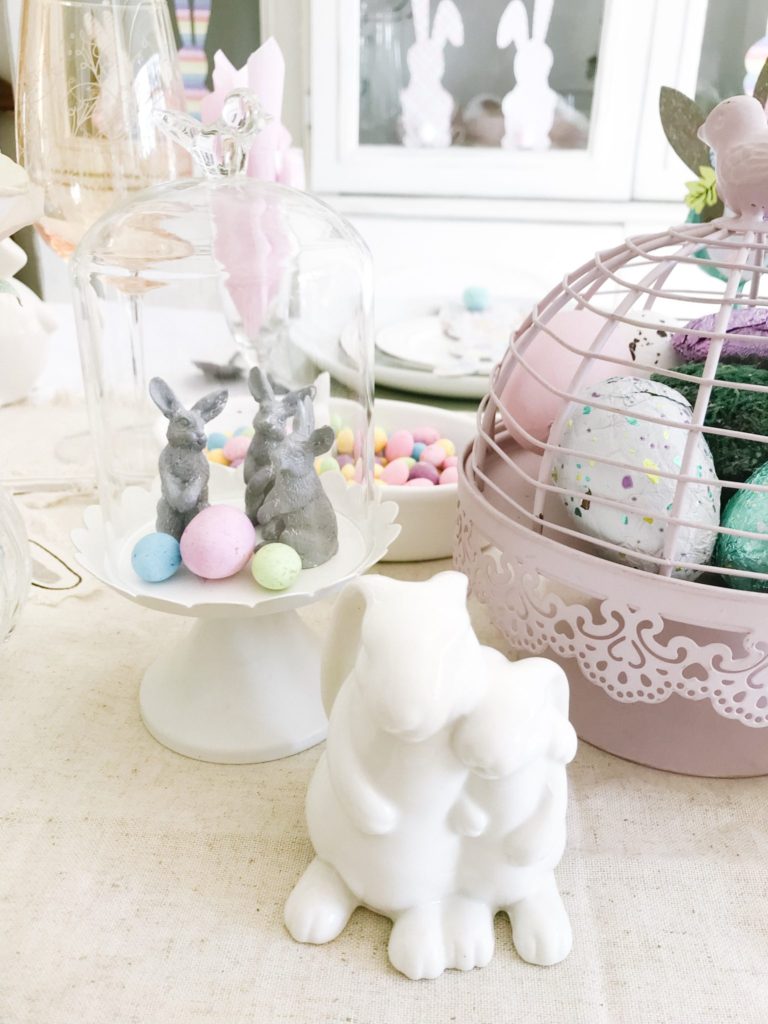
x=737 y=132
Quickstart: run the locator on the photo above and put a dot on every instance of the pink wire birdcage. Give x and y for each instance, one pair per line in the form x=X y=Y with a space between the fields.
x=667 y=653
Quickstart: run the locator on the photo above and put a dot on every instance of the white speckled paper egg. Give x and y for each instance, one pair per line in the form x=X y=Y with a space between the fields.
x=646 y=449
x=650 y=345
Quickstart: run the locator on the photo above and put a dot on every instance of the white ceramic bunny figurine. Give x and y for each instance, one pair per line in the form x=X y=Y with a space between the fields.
x=529 y=109
x=427 y=107
x=440 y=797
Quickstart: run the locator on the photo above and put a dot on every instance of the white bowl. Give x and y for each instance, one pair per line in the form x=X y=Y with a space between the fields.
x=426 y=515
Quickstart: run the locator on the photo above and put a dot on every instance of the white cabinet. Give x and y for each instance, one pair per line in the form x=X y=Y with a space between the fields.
x=359 y=66
x=609 y=60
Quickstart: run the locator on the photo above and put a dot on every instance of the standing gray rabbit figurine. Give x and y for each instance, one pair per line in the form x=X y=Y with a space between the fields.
x=297 y=510
x=276 y=406
x=184 y=469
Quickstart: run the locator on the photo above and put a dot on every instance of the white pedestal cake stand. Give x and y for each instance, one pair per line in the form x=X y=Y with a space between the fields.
x=244 y=685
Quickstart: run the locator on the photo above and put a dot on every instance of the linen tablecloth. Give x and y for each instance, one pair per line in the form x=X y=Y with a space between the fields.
x=140 y=887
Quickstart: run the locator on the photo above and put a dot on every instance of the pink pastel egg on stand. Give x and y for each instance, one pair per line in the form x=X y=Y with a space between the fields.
x=530 y=406
x=218 y=542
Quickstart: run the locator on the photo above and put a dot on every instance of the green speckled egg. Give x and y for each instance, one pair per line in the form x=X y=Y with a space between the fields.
x=275 y=566
x=747 y=510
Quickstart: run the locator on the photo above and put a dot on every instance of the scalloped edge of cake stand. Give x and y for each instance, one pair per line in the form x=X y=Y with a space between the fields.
x=243 y=686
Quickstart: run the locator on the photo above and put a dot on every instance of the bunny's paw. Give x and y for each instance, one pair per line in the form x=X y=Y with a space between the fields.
x=541 y=930
x=320 y=905
x=416 y=946
x=467 y=933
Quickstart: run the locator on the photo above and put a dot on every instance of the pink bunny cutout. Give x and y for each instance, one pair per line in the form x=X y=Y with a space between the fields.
x=529 y=108
x=426 y=106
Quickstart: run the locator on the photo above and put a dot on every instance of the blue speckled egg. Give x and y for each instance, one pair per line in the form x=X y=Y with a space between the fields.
x=156 y=557
x=216 y=440
x=747 y=510
x=476 y=299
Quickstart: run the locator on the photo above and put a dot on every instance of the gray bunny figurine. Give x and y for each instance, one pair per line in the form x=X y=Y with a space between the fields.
x=297 y=511
x=184 y=469
x=276 y=405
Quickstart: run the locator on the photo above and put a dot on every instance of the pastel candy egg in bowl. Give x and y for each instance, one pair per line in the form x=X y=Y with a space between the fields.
x=427 y=511
x=427 y=507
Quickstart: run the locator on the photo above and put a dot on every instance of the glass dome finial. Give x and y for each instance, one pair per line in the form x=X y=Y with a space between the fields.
x=219 y=149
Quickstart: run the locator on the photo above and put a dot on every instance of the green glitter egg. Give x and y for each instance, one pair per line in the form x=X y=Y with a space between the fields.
x=275 y=566
x=747 y=510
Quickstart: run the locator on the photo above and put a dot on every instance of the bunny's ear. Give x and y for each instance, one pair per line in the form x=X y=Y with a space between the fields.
x=211 y=405
x=163 y=397
x=304 y=419
x=277 y=387
x=259 y=385
x=321 y=440
x=420 y=10
x=542 y=14
x=448 y=24
x=343 y=639
x=513 y=26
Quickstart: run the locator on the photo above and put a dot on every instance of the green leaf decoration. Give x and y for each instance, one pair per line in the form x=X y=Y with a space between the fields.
x=712 y=212
x=681 y=119
x=760 y=92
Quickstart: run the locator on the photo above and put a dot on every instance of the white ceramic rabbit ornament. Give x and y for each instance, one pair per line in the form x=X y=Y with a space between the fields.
x=529 y=109
x=427 y=107
x=440 y=798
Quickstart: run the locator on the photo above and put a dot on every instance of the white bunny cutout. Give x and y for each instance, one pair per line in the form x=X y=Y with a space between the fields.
x=426 y=106
x=529 y=109
x=441 y=794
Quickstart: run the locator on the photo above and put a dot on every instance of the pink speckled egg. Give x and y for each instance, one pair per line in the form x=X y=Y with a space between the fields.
x=218 y=542
x=531 y=406
x=236 y=448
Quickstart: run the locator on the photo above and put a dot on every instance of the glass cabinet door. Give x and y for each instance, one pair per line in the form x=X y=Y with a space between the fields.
x=455 y=97
x=557 y=66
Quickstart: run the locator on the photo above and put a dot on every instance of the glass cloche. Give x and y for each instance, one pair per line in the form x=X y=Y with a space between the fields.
x=197 y=282
x=227 y=349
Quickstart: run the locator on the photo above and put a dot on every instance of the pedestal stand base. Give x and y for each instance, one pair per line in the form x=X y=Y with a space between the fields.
x=237 y=691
